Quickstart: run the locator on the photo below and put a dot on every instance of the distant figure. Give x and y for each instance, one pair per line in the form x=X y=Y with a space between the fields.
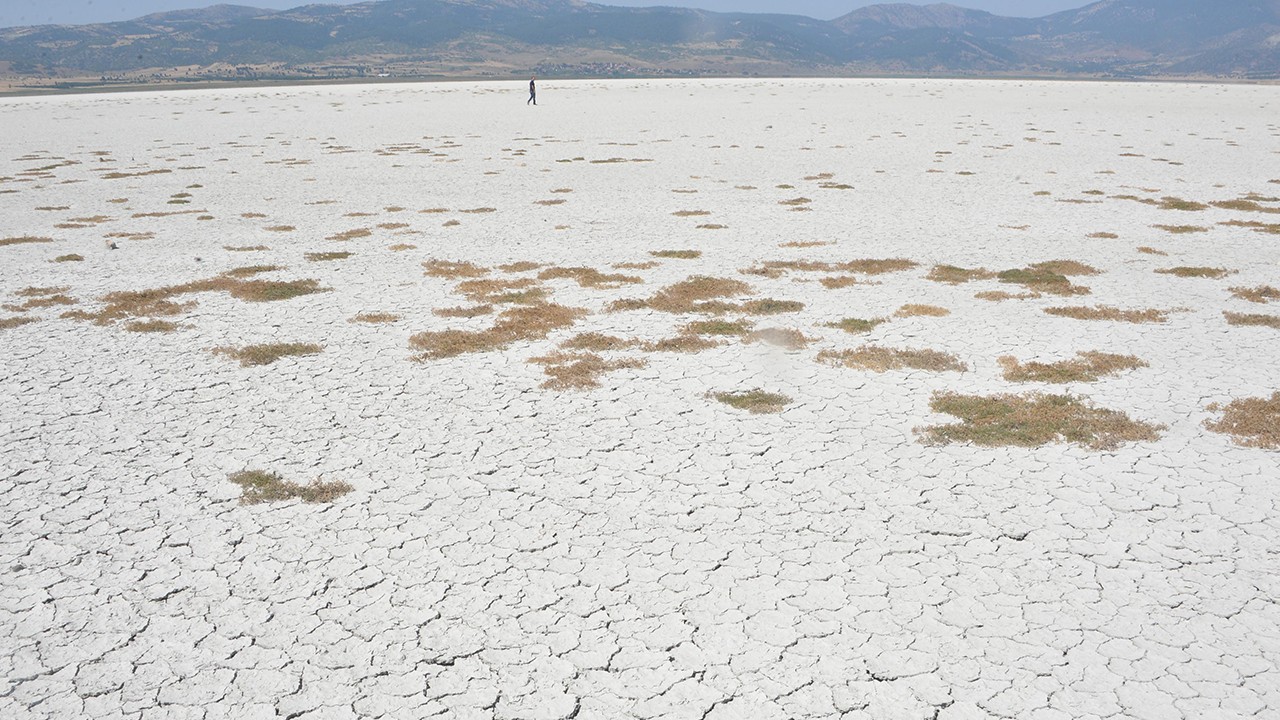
x=533 y=92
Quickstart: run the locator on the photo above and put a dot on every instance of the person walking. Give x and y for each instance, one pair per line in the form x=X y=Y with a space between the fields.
x=533 y=92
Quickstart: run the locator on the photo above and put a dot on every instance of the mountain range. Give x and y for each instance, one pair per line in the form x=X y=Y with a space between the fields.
x=501 y=38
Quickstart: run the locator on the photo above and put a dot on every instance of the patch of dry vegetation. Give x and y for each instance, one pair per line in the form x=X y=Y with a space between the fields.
x=513 y=291
x=677 y=254
x=1031 y=421
x=1040 y=279
x=866 y=266
x=805 y=243
x=770 y=306
x=1087 y=367
x=882 y=359
x=856 y=326
x=245 y=248
x=1104 y=236
x=1252 y=319
x=1251 y=422
x=579 y=370
x=453 y=269
x=325 y=256
x=589 y=277
x=1151 y=251
x=374 y=318
x=1196 y=272
x=267 y=353
x=1268 y=228
x=151 y=326
x=1181 y=229
x=914 y=310
x=1262 y=294
x=837 y=282
x=1106 y=312
x=1166 y=203
x=260 y=486
x=717 y=327
x=463 y=312
x=69 y=258
x=401 y=247
x=698 y=293
x=596 y=342
x=532 y=322
x=159 y=302
x=353 y=234
x=519 y=266
x=953 y=275
x=251 y=270
x=1244 y=205
x=787 y=338
x=755 y=401
x=646 y=265
x=26 y=239
x=691 y=213
x=13 y=322
x=684 y=343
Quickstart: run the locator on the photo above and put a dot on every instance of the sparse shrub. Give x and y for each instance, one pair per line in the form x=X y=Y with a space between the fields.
x=24 y=240
x=452 y=270
x=953 y=275
x=579 y=371
x=1032 y=420
x=151 y=326
x=1261 y=294
x=681 y=343
x=595 y=342
x=718 y=327
x=18 y=320
x=532 y=322
x=589 y=277
x=1087 y=367
x=1181 y=229
x=259 y=486
x=677 y=254
x=1039 y=279
x=683 y=296
x=1001 y=296
x=1252 y=319
x=324 y=256
x=755 y=401
x=856 y=325
x=913 y=310
x=1106 y=312
x=267 y=353
x=1251 y=422
x=69 y=258
x=353 y=234
x=881 y=359
x=770 y=306
x=375 y=317
x=251 y=270
x=1196 y=272
x=1150 y=251
x=463 y=312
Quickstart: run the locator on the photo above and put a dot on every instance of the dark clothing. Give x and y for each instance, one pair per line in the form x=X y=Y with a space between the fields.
x=533 y=94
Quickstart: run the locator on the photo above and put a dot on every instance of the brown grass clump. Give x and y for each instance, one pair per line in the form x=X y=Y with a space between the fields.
x=532 y=322
x=755 y=401
x=1066 y=267
x=374 y=317
x=1269 y=228
x=13 y=322
x=770 y=306
x=42 y=302
x=267 y=353
x=24 y=240
x=518 y=291
x=877 y=267
x=595 y=342
x=271 y=291
x=351 y=234
x=260 y=486
x=647 y=265
x=912 y=310
x=151 y=326
x=452 y=269
x=1039 y=279
x=579 y=371
x=479 y=210
x=519 y=266
x=1262 y=294
x=280 y=228
x=836 y=282
x=589 y=277
x=1196 y=272
x=1151 y=251
x=401 y=247
x=1087 y=367
x=1244 y=205
x=795 y=201
x=786 y=338
x=685 y=296
x=245 y=248
x=41 y=291
x=684 y=343
x=712 y=226
x=1181 y=229
x=855 y=326
x=1106 y=312
x=69 y=258
x=1252 y=319
x=691 y=213
x=463 y=312
x=1104 y=236
x=953 y=275
x=251 y=270
x=677 y=254
x=1251 y=422
x=324 y=256
x=881 y=359
x=1032 y=420
x=717 y=327
x=1001 y=296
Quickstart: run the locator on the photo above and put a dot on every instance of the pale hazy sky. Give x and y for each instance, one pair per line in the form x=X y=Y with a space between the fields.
x=41 y=12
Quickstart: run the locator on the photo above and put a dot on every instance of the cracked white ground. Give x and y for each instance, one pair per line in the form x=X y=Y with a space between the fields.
x=637 y=550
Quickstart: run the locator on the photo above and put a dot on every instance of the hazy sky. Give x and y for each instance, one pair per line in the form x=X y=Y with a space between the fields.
x=40 y=12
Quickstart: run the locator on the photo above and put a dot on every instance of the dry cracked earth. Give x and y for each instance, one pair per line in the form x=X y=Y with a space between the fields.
x=692 y=399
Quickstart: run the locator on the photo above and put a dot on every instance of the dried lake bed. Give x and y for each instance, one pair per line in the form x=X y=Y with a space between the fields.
x=663 y=399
